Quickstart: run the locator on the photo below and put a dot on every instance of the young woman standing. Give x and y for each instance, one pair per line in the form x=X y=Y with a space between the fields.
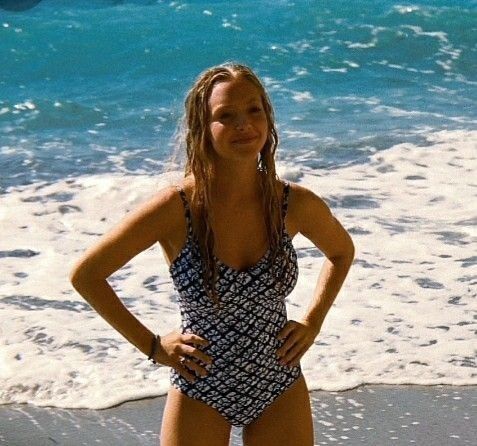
x=226 y=231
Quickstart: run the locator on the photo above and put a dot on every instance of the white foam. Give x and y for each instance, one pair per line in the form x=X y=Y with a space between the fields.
x=27 y=105
x=302 y=96
x=403 y=316
x=442 y=36
x=299 y=71
x=406 y=9
x=360 y=45
x=399 y=112
x=299 y=134
x=334 y=70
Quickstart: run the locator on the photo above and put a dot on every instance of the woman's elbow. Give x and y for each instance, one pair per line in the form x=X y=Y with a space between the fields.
x=81 y=275
x=76 y=276
x=347 y=252
x=351 y=249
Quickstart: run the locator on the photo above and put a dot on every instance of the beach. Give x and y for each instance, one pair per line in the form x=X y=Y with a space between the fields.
x=378 y=415
x=375 y=110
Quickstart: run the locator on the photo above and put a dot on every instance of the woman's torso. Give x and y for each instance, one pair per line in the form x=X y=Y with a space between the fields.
x=239 y=231
x=242 y=333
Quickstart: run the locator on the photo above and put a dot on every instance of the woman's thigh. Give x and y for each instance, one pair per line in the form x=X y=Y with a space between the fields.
x=286 y=421
x=188 y=422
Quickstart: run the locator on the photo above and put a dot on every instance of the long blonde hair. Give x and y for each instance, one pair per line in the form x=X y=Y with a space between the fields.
x=199 y=163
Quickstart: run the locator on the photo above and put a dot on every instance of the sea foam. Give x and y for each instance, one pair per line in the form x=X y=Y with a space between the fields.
x=405 y=314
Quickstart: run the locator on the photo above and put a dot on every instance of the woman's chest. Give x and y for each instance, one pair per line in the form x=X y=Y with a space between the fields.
x=240 y=237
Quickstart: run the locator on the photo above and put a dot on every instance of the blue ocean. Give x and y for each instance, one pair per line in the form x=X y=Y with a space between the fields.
x=97 y=86
x=376 y=111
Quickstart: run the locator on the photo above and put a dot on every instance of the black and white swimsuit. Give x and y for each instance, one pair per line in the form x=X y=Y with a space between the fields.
x=245 y=376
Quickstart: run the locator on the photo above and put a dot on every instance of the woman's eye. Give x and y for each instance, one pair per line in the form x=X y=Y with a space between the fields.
x=256 y=109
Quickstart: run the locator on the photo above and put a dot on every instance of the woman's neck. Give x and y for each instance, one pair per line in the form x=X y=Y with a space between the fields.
x=236 y=182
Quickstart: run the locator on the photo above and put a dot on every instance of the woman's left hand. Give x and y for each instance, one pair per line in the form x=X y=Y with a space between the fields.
x=299 y=337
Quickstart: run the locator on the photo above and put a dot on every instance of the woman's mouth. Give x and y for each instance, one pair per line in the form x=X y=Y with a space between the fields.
x=244 y=140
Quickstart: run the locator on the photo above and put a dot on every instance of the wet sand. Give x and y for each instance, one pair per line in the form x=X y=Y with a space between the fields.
x=373 y=415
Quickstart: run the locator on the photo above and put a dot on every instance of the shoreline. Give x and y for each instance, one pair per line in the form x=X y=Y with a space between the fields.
x=381 y=414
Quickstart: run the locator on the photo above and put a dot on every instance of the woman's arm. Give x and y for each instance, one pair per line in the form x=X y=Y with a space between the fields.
x=315 y=221
x=155 y=221
x=139 y=230
x=318 y=224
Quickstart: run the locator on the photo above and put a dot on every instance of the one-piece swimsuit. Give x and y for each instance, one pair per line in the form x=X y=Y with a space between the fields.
x=245 y=376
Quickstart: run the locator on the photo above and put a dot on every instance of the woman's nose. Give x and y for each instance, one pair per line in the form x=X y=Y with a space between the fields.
x=241 y=122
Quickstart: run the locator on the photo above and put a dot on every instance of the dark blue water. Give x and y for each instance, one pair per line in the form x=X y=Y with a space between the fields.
x=98 y=86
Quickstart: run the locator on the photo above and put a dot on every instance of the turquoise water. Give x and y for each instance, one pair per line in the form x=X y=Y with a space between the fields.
x=98 y=86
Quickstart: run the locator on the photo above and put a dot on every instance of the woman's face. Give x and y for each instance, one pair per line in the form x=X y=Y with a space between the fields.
x=237 y=120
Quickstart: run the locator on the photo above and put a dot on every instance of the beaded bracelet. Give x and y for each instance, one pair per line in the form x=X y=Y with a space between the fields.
x=155 y=341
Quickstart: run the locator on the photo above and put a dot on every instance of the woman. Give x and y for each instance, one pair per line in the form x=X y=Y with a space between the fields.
x=226 y=231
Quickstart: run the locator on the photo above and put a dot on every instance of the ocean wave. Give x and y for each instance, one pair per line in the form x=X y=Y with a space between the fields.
x=409 y=198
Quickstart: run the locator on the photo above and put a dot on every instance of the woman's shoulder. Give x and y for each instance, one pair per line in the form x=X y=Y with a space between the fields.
x=311 y=216
x=162 y=200
x=299 y=193
x=163 y=210
x=187 y=184
x=168 y=196
x=304 y=203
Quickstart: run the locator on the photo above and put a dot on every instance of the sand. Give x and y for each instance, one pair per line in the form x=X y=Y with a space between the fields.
x=377 y=415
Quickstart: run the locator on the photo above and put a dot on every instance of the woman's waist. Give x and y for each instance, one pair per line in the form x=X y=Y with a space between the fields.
x=232 y=342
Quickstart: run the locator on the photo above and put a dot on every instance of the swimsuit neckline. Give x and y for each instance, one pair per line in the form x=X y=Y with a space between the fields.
x=191 y=240
x=246 y=269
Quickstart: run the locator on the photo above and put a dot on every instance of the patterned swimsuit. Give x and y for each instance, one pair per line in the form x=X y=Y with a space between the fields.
x=245 y=376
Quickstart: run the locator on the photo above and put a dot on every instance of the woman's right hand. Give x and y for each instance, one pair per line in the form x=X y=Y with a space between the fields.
x=177 y=350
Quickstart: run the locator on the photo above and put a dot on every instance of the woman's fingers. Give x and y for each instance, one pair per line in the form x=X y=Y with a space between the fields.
x=290 y=340
x=191 y=355
x=289 y=351
x=298 y=339
x=184 y=356
x=192 y=365
x=196 y=353
x=183 y=371
x=178 y=351
x=286 y=330
x=292 y=354
x=296 y=359
x=190 y=338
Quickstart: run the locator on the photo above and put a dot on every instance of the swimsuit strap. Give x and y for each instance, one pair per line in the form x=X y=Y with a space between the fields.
x=286 y=190
x=186 y=209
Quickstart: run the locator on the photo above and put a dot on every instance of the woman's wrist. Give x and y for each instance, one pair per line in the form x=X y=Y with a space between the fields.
x=156 y=340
